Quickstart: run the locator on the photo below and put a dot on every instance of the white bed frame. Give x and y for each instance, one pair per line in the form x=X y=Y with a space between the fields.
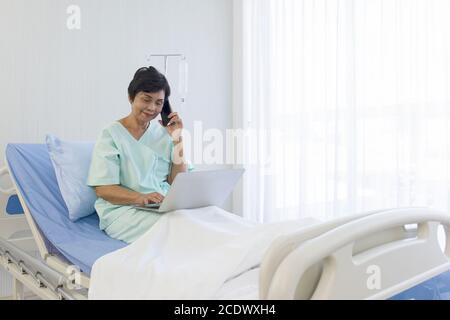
x=330 y=260
x=398 y=248
x=76 y=283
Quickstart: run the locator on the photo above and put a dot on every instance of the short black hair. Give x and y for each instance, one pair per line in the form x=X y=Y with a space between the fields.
x=148 y=79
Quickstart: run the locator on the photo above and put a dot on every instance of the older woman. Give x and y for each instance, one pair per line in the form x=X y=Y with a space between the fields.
x=133 y=159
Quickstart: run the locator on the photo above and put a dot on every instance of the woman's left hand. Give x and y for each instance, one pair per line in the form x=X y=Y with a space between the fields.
x=175 y=126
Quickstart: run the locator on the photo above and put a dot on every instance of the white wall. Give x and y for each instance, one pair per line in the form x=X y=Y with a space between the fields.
x=73 y=82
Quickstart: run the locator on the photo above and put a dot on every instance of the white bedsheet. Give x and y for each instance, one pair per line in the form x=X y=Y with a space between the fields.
x=188 y=254
x=243 y=287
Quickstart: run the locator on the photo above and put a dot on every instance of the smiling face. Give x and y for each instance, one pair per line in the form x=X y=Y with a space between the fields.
x=147 y=106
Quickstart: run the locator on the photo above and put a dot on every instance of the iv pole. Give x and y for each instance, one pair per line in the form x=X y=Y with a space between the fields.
x=166 y=66
x=166 y=59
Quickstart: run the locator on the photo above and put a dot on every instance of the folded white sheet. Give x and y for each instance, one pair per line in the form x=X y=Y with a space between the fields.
x=188 y=254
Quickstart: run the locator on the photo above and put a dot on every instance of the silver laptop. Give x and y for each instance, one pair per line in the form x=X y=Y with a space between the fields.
x=197 y=189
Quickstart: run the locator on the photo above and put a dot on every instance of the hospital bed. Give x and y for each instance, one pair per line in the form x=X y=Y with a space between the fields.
x=374 y=255
x=67 y=250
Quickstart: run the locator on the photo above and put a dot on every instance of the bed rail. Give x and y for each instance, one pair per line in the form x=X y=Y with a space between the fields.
x=8 y=191
x=374 y=257
x=36 y=275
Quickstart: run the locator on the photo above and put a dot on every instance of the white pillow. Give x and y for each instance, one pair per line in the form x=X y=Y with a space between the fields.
x=71 y=161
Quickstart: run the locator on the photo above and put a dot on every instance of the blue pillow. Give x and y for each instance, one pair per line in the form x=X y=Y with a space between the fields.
x=71 y=161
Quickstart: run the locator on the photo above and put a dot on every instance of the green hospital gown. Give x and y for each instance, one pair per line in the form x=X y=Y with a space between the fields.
x=139 y=165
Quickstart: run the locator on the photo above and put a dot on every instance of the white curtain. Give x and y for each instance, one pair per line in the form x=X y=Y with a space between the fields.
x=350 y=103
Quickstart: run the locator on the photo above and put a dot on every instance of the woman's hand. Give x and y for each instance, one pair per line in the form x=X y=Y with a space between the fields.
x=146 y=198
x=174 y=127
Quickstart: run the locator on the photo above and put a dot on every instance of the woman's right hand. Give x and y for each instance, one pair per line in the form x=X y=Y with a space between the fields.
x=146 y=198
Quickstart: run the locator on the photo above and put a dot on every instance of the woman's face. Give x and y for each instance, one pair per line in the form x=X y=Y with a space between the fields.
x=147 y=106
